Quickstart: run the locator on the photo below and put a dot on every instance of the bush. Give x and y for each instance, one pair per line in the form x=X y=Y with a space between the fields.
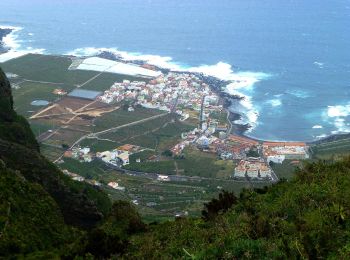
x=218 y=206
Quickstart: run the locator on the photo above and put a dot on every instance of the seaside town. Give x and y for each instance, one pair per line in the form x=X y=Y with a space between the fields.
x=173 y=91
x=182 y=93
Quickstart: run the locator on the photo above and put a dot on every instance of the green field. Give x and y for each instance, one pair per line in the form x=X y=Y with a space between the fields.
x=122 y=116
x=51 y=152
x=193 y=163
x=331 y=150
x=169 y=197
x=197 y=163
x=157 y=134
x=285 y=170
x=54 y=69
x=39 y=75
x=30 y=91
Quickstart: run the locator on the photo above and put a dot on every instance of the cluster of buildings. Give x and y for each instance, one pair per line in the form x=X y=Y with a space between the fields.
x=116 y=186
x=277 y=152
x=77 y=177
x=119 y=156
x=73 y=176
x=115 y=157
x=59 y=91
x=164 y=93
x=254 y=168
x=83 y=154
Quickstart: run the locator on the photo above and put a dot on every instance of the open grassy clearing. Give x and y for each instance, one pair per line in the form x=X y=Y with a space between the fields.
x=333 y=149
x=197 y=163
x=158 y=134
x=30 y=91
x=55 y=69
x=166 y=198
x=122 y=116
x=285 y=170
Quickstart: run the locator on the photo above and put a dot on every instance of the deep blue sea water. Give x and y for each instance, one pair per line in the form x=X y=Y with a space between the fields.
x=302 y=47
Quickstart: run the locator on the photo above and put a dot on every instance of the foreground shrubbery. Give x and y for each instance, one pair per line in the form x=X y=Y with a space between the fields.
x=308 y=217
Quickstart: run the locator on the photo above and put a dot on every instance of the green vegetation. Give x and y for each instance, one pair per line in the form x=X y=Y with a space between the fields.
x=30 y=219
x=88 y=170
x=121 y=117
x=143 y=156
x=332 y=149
x=30 y=91
x=54 y=69
x=158 y=134
x=12 y=126
x=220 y=116
x=285 y=170
x=307 y=217
x=46 y=215
x=197 y=163
x=161 y=167
x=192 y=163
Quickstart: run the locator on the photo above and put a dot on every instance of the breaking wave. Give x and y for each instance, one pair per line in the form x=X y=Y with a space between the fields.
x=14 y=46
x=241 y=83
x=339 y=116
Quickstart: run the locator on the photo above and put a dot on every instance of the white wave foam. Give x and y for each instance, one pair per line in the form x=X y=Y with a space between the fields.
x=339 y=116
x=244 y=107
x=319 y=64
x=318 y=137
x=299 y=93
x=13 y=44
x=338 y=111
x=220 y=70
x=274 y=102
x=223 y=71
x=317 y=127
x=11 y=40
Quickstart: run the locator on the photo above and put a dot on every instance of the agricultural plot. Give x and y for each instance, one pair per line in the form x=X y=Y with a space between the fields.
x=54 y=69
x=197 y=163
x=122 y=116
x=333 y=149
x=156 y=200
x=29 y=92
x=157 y=134
x=192 y=163
x=285 y=170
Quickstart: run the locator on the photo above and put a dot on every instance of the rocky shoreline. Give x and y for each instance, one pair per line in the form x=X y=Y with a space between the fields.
x=3 y=33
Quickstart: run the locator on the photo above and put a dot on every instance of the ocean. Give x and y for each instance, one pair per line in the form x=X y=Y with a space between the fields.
x=293 y=54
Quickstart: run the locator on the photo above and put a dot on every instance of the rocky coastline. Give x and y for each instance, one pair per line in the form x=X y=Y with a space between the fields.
x=3 y=33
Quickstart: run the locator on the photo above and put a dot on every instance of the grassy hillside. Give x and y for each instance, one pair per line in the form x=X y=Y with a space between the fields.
x=30 y=219
x=306 y=218
x=13 y=127
x=46 y=215
x=333 y=147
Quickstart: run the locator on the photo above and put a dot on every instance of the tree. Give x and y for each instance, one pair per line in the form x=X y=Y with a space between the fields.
x=167 y=153
x=218 y=206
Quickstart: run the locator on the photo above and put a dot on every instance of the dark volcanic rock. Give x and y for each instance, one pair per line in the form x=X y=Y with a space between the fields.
x=6 y=101
x=3 y=33
x=13 y=127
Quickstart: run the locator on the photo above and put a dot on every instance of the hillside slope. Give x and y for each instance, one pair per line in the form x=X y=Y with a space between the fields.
x=307 y=218
x=81 y=204
x=13 y=127
x=30 y=219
